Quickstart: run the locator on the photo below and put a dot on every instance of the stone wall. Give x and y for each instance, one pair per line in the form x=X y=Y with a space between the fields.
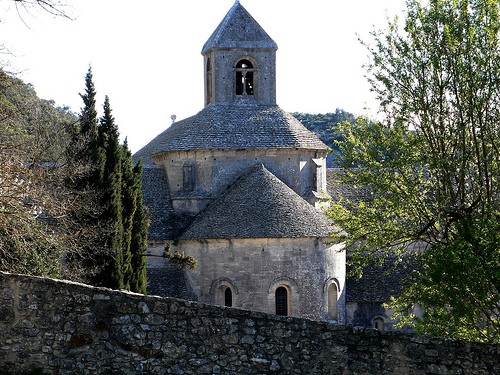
x=268 y=264
x=69 y=328
x=215 y=170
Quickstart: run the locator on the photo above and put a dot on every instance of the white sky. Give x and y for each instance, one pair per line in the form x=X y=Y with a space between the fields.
x=146 y=55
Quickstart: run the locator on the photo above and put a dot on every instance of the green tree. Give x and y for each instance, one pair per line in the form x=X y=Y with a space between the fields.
x=111 y=212
x=84 y=155
x=109 y=182
x=129 y=207
x=34 y=227
x=135 y=224
x=139 y=236
x=433 y=166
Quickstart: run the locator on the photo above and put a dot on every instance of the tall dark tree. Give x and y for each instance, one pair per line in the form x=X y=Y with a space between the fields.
x=135 y=224
x=83 y=153
x=84 y=157
x=109 y=183
x=129 y=207
x=112 y=192
x=139 y=239
x=88 y=117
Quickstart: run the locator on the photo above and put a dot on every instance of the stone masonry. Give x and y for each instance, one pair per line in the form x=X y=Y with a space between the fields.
x=68 y=328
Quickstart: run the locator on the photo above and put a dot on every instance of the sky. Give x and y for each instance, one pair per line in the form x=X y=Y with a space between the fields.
x=146 y=56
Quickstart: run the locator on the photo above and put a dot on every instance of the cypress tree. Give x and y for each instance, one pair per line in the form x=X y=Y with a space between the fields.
x=82 y=153
x=129 y=208
x=109 y=182
x=134 y=223
x=139 y=240
x=88 y=117
x=113 y=237
x=85 y=161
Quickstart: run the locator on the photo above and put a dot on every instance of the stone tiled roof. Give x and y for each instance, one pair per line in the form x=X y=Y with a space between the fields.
x=337 y=190
x=258 y=205
x=164 y=222
x=168 y=282
x=239 y=29
x=378 y=283
x=233 y=126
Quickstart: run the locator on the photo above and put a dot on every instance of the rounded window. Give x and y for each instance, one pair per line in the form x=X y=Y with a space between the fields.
x=228 y=297
x=333 y=301
x=244 y=77
x=379 y=323
x=281 y=298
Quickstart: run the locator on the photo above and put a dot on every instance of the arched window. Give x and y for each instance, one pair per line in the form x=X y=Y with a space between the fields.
x=224 y=293
x=228 y=297
x=333 y=301
x=379 y=323
x=225 y=296
x=281 y=298
x=244 y=77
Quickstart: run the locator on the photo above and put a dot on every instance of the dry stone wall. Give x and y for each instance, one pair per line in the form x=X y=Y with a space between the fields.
x=68 y=328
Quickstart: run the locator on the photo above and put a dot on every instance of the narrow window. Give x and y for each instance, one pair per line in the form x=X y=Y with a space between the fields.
x=228 y=297
x=333 y=301
x=281 y=297
x=379 y=323
x=317 y=173
x=239 y=83
x=209 y=81
x=244 y=78
x=188 y=178
x=249 y=83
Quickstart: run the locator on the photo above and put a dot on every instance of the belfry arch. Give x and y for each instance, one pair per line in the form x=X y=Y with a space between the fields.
x=245 y=75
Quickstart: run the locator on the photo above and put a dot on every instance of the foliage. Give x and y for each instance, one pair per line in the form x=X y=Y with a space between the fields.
x=91 y=227
x=33 y=222
x=139 y=234
x=179 y=260
x=108 y=181
x=111 y=197
x=325 y=126
x=433 y=165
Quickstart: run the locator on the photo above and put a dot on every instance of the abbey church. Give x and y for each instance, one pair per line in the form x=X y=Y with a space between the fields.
x=240 y=187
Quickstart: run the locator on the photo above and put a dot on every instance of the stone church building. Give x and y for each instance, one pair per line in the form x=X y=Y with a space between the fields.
x=239 y=186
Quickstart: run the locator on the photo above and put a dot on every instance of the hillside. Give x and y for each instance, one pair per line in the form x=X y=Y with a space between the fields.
x=36 y=123
x=325 y=126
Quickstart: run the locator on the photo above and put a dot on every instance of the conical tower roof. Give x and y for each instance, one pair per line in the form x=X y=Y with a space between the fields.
x=239 y=29
x=258 y=205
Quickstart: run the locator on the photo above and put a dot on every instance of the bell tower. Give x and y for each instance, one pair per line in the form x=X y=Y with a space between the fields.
x=240 y=61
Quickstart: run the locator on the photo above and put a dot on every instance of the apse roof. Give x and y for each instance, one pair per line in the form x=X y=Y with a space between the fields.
x=258 y=205
x=239 y=29
x=233 y=126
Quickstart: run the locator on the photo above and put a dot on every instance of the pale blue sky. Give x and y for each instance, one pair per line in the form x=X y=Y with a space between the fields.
x=146 y=55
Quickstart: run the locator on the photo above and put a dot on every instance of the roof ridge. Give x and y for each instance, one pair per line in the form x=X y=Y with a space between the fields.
x=234 y=37
x=224 y=21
